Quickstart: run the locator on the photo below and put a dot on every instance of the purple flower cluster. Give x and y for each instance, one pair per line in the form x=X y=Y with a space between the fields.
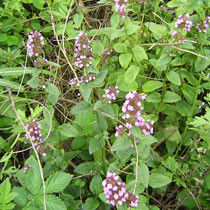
x=34 y=131
x=132 y=108
x=35 y=43
x=39 y=62
x=85 y=78
x=120 y=6
x=116 y=192
x=83 y=51
x=183 y=22
x=202 y=27
x=110 y=94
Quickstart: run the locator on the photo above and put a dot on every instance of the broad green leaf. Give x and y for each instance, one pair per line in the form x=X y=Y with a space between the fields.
x=78 y=18
x=53 y=202
x=115 y=20
x=53 y=93
x=3 y=37
x=171 y=97
x=157 y=29
x=11 y=84
x=120 y=47
x=81 y=107
x=125 y=60
x=143 y=173
x=96 y=144
x=96 y=184
x=154 y=97
x=98 y=48
x=39 y=4
x=139 y=53
x=163 y=60
x=131 y=28
x=21 y=199
x=144 y=150
x=173 y=77
x=57 y=182
x=126 y=87
x=183 y=108
x=100 y=77
x=5 y=188
x=131 y=73
x=131 y=185
x=68 y=130
x=91 y=204
x=157 y=180
x=121 y=143
x=86 y=168
x=85 y=89
x=152 y=85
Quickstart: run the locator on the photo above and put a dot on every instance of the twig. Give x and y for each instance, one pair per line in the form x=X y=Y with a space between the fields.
x=59 y=44
x=137 y=165
x=31 y=141
x=161 y=19
x=191 y=52
x=163 y=139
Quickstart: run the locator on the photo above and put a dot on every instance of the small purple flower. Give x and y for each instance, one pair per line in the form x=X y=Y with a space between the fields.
x=116 y=192
x=202 y=27
x=110 y=94
x=183 y=22
x=83 y=51
x=35 y=44
x=34 y=131
x=120 y=6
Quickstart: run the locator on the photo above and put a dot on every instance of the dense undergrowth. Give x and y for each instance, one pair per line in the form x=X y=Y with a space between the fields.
x=104 y=104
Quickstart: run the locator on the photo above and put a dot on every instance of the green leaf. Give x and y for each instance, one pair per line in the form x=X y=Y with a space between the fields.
x=11 y=84
x=96 y=144
x=154 y=97
x=120 y=47
x=125 y=60
x=81 y=107
x=157 y=29
x=115 y=20
x=163 y=60
x=157 y=180
x=183 y=108
x=10 y=197
x=21 y=199
x=139 y=53
x=152 y=85
x=68 y=130
x=127 y=87
x=85 y=168
x=53 y=203
x=53 y=93
x=5 y=188
x=98 y=48
x=100 y=77
x=143 y=173
x=85 y=89
x=39 y=4
x=3 y=37
x=173 y=77
x=58 y=182
x=121 y=143
x=96 y=184
x=91 y=204
x=131 y=73
x=171 y=97
x=78 y=18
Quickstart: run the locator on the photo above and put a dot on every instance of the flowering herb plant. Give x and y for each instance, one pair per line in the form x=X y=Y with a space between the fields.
x=104 y=104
